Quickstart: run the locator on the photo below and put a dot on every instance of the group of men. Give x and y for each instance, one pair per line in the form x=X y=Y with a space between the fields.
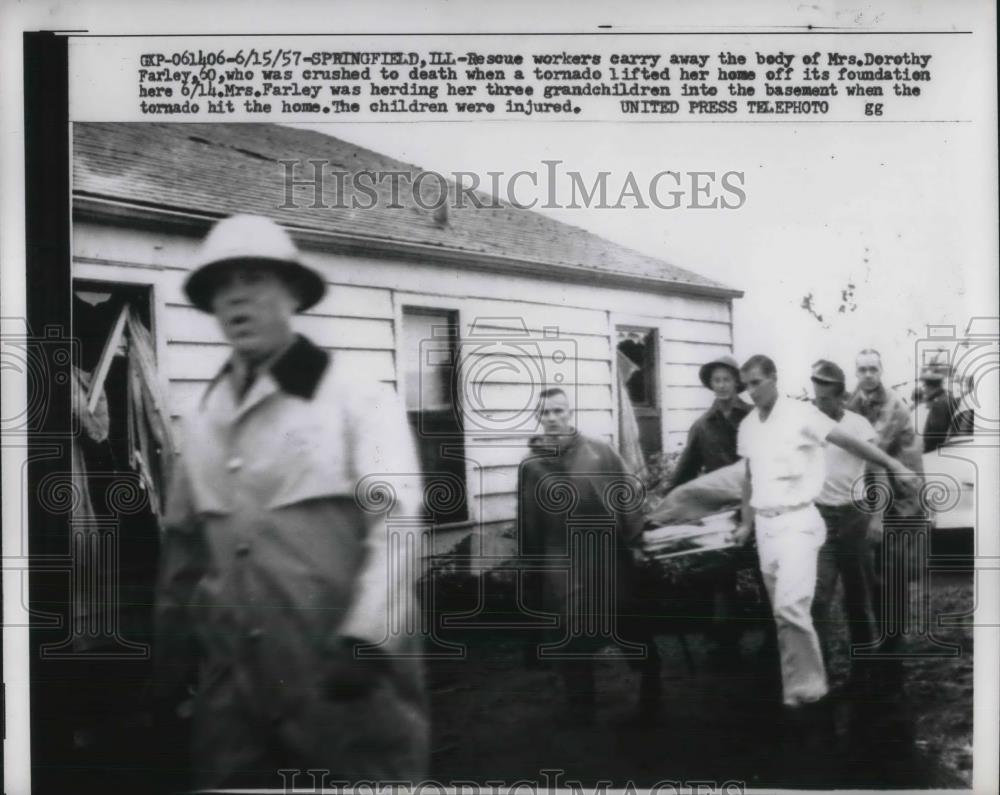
x=285 y=591
x=805 y=503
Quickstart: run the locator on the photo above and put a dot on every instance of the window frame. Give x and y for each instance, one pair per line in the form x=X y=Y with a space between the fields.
x=440 y=303
x=622 y=320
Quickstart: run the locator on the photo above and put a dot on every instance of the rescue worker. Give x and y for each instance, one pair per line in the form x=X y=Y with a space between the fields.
x=275 y=573
x=711 y=445
x=711 y=442
x=782 y=440
x=580 y=509
x=889 y=572
x=845 y=554
x=937 y=410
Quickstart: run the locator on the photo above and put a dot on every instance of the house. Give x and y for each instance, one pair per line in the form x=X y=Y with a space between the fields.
x=467 y=313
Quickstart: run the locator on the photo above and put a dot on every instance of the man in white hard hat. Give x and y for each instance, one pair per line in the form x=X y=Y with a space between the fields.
x=275 y=577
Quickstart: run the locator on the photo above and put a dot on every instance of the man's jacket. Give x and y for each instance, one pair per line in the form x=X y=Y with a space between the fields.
x=711 y=443
x=893 y=423
x=277 y=548
x=942 y=413
x=579 y=513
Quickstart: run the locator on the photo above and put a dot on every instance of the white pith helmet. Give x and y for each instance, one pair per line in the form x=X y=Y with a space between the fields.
x=251 y=239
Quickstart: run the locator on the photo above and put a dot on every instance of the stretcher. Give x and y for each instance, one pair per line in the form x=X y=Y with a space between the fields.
x=694 y=552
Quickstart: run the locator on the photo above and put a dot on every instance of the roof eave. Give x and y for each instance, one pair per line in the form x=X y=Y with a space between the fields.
x=107 y=210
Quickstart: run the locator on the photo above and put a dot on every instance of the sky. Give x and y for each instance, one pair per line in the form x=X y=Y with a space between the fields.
x=888 y=209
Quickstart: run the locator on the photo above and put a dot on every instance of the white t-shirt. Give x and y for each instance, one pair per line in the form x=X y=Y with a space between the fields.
x=787 y=461
x=844 y=470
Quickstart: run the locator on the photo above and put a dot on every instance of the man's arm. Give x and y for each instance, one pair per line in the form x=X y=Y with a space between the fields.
x=689 y=464
x=381 y=446
x=869 y=452
x=628 y=495
x=742 y=534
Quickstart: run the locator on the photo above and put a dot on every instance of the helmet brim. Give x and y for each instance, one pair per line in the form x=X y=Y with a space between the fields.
x=705 y=374
x=306 y=283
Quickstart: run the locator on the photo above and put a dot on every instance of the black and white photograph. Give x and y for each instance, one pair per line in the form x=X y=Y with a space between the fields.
x=544 y=398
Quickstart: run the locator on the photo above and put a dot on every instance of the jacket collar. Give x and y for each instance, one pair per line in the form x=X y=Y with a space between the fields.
x=296 y=372
x=299 y=369
x=874 y=398
x=560 y=445
x=739 y=409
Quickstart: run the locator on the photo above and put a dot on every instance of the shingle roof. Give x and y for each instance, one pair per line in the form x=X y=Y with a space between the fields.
x=220 y=169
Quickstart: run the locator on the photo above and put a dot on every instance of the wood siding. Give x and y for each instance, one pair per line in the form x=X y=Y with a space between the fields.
x=504 y=321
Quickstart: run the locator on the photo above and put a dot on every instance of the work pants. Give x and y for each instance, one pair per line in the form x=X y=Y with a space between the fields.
x=788 y=546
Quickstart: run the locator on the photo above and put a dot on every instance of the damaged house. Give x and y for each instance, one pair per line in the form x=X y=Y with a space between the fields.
x=468 y=313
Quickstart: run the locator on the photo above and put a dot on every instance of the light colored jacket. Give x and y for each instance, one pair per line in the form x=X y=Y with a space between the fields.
x=893 y=424
x=277 y=546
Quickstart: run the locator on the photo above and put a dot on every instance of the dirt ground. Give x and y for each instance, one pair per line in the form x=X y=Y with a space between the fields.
x=495 y=719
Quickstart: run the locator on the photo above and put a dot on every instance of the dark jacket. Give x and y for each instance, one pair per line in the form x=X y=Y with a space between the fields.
x=711 y=443
x=942 y=411
x=579 y=513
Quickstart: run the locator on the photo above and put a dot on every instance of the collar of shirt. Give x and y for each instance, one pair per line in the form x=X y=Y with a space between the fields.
x=554 y=446
x=777 y=408
x=296 y=370
x=738 y=410
x=876 y=398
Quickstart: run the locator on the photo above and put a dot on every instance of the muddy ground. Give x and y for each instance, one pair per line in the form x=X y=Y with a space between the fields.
x=495 y=719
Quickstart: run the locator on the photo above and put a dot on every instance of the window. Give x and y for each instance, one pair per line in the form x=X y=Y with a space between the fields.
x=116 y=443
x=638 y=346
x=430 y=349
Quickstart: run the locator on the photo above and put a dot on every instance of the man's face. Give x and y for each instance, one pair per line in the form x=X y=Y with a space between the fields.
x=555 y=415
x=829 y=398
x=254 y=307
x=723 y=383
x=931 y=387
x=869 y=372
x=763 y=390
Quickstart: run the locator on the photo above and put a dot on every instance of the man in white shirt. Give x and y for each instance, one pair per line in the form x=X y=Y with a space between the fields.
x=783 y=440
x=846 y=549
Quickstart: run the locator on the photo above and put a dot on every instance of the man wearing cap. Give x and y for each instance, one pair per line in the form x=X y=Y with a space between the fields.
x=889 y=572
x=782 y=440
x=711 y=445
x=937 y=409
x=711 y=442
x=275 y=573
x=845 y=553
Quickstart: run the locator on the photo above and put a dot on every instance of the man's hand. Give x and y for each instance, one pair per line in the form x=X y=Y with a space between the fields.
x=907 y=479
x=639 y=557
x=350 y=678
x=741 y=535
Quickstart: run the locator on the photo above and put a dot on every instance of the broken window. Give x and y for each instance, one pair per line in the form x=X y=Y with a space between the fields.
x=638 y=371
x=121 y=453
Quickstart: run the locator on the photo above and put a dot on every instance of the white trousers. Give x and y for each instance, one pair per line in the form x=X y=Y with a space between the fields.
x=788 y=546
